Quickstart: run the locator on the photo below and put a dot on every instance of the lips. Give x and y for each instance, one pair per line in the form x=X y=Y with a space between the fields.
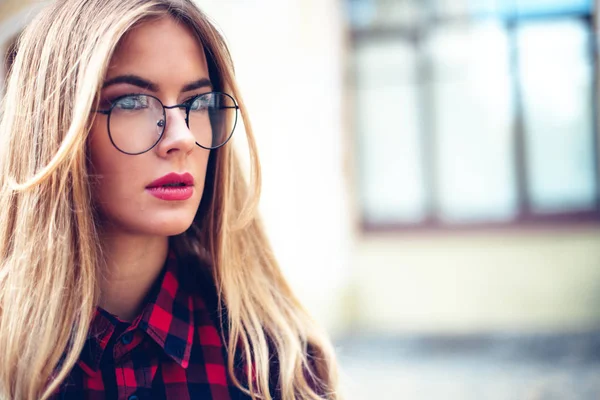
x=173 y=180
x=172 y=187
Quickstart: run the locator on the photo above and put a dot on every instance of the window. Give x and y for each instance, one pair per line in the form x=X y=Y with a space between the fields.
x=474 y=112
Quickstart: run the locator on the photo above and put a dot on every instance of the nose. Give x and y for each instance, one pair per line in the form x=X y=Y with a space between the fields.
x=177 y=138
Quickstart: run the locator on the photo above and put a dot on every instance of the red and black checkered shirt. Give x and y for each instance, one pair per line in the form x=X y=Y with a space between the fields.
x=172 y=350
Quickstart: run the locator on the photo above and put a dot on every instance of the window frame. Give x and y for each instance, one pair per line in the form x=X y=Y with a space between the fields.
x=525 y=217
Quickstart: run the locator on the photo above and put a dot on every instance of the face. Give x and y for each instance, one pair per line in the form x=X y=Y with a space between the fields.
x=163 y=59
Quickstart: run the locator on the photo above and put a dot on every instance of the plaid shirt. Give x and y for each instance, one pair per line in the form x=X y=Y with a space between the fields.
x=172 y=350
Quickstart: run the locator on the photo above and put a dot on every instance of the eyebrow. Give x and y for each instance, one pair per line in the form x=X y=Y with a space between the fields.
x=200 y=83
x=148 y=85
x=131 y=80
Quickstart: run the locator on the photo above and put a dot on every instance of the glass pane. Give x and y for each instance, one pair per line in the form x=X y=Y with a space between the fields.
x=486 y=7
x=473 y=114
x=361 y=13
x=454 y=8
x=384 y=13
x=557 y=80
x=459 y=8
x=387 y=117
x=532 y=7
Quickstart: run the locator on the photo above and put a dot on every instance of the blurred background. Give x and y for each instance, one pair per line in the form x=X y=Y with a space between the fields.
x=431 y=184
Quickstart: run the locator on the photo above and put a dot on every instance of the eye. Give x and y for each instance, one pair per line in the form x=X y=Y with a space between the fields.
x=132 y=103
x=201 y=103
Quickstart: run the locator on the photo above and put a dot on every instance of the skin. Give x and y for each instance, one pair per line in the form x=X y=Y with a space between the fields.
x=135 y=225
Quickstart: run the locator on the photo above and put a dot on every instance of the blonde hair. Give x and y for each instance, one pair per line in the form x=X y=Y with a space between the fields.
x=49 y=251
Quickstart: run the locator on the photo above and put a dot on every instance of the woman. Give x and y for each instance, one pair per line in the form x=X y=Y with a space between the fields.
x=133 y=265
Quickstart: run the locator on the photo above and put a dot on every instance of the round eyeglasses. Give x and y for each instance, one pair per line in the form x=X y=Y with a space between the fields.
x=136 y=122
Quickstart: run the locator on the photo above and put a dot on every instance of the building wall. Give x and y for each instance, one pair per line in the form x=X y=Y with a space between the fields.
x=9 y=8
x=529 y=280
x=480 y=281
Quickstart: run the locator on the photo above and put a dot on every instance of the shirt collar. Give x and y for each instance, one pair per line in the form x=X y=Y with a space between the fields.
x=167 y=318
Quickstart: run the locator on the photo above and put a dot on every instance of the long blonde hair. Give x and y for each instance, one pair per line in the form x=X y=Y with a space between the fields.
x=49 y=247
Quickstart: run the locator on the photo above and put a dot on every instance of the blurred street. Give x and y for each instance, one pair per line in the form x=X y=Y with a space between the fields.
x=465 y=379
x=519 y=369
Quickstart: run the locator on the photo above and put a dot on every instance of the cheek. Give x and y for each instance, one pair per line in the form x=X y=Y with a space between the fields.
x=114 y=177
x=108 y=166
x=200 y=163
x=99 y=152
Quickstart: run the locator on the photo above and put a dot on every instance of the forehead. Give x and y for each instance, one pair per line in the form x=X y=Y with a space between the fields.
x=162 y=50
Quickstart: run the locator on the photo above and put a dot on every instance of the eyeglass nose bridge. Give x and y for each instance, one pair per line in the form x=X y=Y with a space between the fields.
x=179 y=106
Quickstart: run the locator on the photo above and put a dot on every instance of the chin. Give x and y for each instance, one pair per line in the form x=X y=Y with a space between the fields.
x=164 y=224
x=169 y=227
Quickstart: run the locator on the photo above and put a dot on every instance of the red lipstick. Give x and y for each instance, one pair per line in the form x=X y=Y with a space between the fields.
x=172 y=187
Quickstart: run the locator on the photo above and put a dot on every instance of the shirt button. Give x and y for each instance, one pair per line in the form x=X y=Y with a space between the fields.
x=126 y=339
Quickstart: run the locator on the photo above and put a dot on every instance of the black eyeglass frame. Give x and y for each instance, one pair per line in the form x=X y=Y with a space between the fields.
x=185 y=105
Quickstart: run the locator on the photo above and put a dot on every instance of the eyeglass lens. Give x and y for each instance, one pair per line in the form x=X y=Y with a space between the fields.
x=137 y=122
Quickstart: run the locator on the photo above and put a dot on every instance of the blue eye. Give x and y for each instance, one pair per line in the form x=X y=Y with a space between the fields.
x=132 y=103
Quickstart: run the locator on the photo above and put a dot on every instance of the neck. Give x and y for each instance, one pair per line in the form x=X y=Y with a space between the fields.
x=133 y=263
